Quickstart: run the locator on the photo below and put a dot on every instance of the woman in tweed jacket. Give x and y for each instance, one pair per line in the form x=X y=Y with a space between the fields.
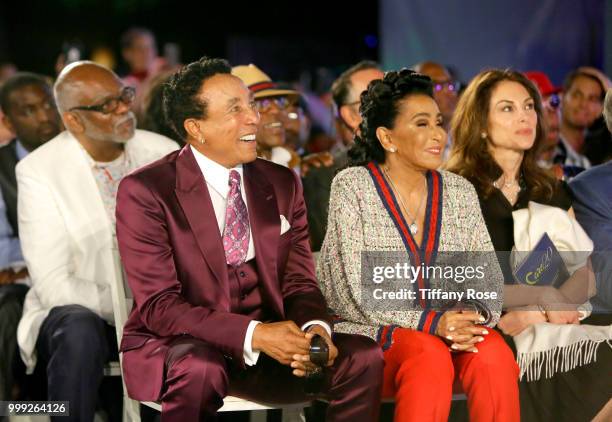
x=392 y=205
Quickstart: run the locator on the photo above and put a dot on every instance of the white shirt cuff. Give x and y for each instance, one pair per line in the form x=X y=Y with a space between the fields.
x=250 y=355
x=321 y=323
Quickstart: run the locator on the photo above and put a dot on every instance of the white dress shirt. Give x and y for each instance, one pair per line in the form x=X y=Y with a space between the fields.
x=217 y=181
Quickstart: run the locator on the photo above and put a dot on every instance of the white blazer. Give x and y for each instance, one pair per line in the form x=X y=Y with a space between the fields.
x=65 y=232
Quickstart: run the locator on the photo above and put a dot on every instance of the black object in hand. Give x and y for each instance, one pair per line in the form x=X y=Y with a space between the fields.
x=319 y=355
x=319 y=351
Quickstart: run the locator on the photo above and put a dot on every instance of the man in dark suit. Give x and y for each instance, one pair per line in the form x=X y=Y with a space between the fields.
x=29 y=112
x=346 y=92
x=215 y=246
x=592 y=192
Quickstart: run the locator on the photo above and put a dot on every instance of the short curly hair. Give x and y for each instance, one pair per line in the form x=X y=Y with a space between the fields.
x=180 y=101
x=380 y=105
x=18 y=81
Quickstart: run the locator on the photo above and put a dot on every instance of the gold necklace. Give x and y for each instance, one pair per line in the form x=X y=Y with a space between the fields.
x=503 y=182
x=414 y=228
x=511 y=195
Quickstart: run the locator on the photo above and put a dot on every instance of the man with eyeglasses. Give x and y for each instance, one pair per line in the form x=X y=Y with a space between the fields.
x=272 y=103
x=346 y=92
x=66 y=213
x=446 y=90
x=29 y=112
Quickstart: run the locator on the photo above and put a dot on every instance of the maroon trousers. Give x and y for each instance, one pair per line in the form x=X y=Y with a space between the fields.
x=198 y=377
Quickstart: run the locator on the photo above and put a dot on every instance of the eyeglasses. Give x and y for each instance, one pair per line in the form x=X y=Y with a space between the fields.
x=451 y=86
x=110 y=106
x=264 y=105
x=553 y=102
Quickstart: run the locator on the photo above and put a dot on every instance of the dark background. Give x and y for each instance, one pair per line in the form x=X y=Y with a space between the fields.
x=311 y=41
x=284 y=37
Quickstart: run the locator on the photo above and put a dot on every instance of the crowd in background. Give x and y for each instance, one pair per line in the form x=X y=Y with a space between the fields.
x=55 y=313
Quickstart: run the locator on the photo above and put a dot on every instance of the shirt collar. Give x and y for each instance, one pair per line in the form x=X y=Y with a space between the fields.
x=97 y=165
x=20 y=150
x=216 y=175
x=569 y=149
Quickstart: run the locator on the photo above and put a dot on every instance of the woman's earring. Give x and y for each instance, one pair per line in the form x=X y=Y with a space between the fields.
x=202 y=140
x=483 y=135
x=392 y=149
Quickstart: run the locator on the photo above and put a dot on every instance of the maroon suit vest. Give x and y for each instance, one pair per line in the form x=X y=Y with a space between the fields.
x=245 y=291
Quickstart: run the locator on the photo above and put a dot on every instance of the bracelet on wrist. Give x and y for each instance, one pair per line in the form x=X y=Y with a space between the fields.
x=543 y=311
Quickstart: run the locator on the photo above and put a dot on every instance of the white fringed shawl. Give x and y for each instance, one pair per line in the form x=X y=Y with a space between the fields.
x=545 y=349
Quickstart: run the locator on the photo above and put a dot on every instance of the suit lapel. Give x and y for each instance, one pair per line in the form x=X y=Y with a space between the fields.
x=83 y=196
x=264 y=219
x=192 y=193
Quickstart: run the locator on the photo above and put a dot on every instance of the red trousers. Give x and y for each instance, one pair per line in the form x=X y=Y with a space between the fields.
x=420 y=372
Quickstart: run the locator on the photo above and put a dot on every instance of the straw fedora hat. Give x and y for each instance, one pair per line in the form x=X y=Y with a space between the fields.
x=259 y=83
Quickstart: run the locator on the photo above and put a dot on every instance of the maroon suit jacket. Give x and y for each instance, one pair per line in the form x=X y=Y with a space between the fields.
x=173 y=256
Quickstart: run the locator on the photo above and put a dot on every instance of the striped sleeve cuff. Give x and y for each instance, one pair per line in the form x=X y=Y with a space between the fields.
x=429 y=321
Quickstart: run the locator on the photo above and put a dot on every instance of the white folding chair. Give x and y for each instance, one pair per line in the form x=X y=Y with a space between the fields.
x=122 y=304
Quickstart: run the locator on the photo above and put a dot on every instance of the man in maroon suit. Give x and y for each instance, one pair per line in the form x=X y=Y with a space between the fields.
x=215 y=245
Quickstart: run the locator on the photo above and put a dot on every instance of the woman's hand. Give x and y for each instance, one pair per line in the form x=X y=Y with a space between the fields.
x=514 y=322
x=563 y=316
x=459 y=329
x=558 y=307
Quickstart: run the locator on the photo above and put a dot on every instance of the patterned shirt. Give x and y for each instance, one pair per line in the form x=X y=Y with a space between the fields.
x=108 y=175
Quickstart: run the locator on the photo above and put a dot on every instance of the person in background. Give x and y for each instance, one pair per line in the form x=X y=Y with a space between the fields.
x=598 y=139
x=446 y=89
x=66 y=213
x=139 y=50
x=551 y=119
x=152 y=116
x=592 y=192
x=346 y=94
x=28 y=111
x=7 y=69
x=297 y=124
x=346 y=91
x=272 y=103
x=581 y=104
x=446 y=94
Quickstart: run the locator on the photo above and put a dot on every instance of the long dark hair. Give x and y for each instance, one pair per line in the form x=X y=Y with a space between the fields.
x=470 y=156
x=380 y=107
